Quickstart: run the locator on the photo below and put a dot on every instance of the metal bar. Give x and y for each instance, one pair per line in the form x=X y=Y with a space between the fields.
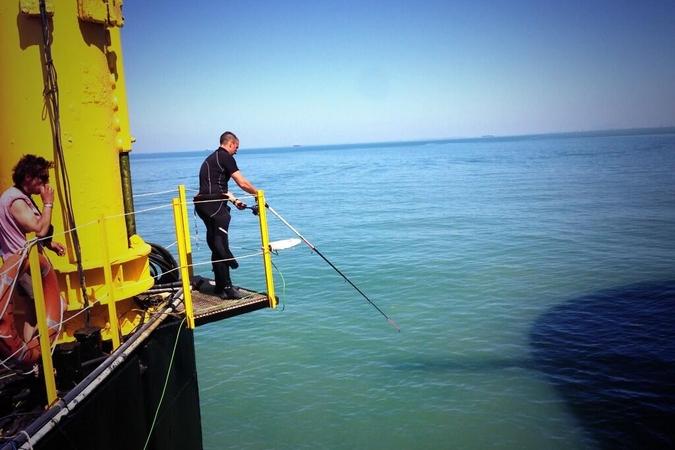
x=59 y=410
x=186 y=226
x=41 y=313
x=267 y=251
x=183 y=262
x=107 y=274
x=127 y=193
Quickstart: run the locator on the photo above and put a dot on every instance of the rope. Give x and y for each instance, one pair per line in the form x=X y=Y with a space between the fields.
x=73 y=230
x=227 y=259
x=147 y=194
x=90 y=304
x=24 y=252
x=150 y=194
x=51 y=93
x=283 y=286
x=63 y=321
x=166 y=382
x=30 y=444
x=11 y=267
x=11 y=288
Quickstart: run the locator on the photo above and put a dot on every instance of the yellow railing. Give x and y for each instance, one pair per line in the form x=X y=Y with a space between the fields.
x=180 y=217
x=267 y=250
x=43 y=328
x=184 y=260
x=183 y=241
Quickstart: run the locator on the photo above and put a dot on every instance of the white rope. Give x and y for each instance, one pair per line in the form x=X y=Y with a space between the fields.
x=24 y=252
x=154 y=208
x=12 y=266
x=225 y=199
x=98 y=300
x=4 y=361
x=28 y=437
x=28 y=441
x=227 y=259
x=147 y=194
x=207 y=201
x=95 y=221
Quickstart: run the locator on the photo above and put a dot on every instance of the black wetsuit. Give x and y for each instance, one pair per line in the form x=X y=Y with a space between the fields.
x=215 y=172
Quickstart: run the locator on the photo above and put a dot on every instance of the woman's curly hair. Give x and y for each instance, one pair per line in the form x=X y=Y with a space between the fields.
x=30 y=166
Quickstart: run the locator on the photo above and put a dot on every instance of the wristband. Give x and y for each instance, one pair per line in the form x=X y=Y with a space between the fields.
x=48 y=205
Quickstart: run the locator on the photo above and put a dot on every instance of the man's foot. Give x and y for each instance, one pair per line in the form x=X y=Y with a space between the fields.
x=230 y=293
x=198 y=281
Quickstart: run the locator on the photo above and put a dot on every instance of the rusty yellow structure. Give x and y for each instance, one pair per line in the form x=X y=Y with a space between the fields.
x=89 y=126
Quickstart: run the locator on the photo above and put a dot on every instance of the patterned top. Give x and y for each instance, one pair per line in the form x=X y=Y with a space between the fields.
x=12 y=237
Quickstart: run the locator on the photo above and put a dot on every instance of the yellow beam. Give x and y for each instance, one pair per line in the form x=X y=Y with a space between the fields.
x=188 y=245
x=40 y=311
x=107 y=274
x=183 y=262
x=267 y=251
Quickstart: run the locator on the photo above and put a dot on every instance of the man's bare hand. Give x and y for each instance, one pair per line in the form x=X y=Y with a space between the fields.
x=57 y=248
x=47 y=193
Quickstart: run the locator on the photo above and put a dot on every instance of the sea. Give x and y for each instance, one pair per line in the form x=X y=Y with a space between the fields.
x=532 y=278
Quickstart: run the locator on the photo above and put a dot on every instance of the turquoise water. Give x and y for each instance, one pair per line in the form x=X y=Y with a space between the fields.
x=489 y=255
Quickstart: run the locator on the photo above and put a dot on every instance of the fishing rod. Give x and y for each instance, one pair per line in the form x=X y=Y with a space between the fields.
x=390 y=321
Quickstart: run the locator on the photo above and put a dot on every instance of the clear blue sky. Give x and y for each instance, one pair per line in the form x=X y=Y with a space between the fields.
x=330 y=72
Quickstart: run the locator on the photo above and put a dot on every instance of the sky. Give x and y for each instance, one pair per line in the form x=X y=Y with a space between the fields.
x=346 y=71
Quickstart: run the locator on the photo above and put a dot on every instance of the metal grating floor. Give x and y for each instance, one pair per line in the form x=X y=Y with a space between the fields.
x=210 y=308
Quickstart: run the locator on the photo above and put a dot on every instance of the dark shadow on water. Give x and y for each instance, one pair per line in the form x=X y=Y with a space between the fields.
x=611 y=355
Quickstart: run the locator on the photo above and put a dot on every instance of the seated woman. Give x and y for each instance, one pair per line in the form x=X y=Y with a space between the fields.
x=20 y=215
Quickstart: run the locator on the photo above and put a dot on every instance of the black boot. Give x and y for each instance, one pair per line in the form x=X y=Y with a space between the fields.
x=231 y=293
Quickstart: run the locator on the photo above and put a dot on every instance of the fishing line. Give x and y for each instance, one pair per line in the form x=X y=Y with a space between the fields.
x=390 y=321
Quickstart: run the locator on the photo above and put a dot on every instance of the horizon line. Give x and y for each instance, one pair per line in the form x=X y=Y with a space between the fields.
x=486 y=137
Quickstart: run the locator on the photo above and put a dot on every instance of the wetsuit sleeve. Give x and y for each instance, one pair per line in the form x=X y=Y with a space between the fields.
x=230 y=165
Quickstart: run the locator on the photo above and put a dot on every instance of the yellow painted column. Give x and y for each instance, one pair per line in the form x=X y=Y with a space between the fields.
x=267 y=251
x=43 y=328
x=188 y=245
x=110 y=283
x=182 y=261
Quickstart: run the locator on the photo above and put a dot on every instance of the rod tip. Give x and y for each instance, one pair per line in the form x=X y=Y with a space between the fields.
x=394 y=324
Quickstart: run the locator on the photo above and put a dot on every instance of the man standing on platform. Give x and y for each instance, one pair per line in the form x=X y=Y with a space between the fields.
x=211 y=206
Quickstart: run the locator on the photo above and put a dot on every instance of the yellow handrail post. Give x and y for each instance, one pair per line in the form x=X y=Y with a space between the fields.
x=40 y=312
x=188 y=245
x=107 y=274
x=267 y=250
x=183 y=262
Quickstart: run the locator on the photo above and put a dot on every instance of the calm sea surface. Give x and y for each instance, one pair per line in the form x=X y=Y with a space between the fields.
x=533 y=280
